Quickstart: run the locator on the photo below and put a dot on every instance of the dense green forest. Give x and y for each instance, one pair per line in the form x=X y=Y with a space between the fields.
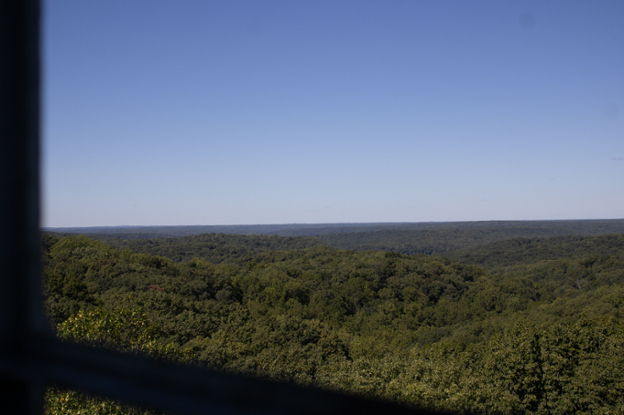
x=524 y=251
x=529 y=325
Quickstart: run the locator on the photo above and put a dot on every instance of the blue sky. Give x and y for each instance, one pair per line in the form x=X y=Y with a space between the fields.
x=259 y=112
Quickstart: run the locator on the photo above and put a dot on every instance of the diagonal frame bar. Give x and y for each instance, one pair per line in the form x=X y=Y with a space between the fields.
x=187 y=389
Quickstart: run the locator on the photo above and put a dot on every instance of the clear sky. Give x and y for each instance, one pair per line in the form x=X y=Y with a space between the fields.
x=197 y=112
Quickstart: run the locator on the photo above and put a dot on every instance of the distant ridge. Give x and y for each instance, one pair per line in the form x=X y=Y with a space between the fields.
x=188 y=230
x=569 y=227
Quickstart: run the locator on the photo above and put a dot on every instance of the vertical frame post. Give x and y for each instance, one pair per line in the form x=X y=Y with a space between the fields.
x=20 y=305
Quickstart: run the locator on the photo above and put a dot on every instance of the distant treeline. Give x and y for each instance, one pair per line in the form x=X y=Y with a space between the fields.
x=433 y=241
x=566 y=227
x=135 y=232
x=408 y=239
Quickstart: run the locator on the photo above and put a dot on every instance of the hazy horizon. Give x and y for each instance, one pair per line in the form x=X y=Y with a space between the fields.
x=243 y=112
x=315 y=224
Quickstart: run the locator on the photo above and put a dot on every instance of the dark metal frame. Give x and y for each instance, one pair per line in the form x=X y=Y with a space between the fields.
x=30 y=355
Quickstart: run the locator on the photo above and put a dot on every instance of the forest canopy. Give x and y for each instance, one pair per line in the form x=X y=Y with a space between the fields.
x=524 y=325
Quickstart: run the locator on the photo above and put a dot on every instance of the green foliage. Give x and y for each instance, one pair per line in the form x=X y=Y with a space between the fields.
x=60 y=401
x=558 y=369
x=420 y=330
x=213 y=247
x=123 y=330
x=498 y=256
